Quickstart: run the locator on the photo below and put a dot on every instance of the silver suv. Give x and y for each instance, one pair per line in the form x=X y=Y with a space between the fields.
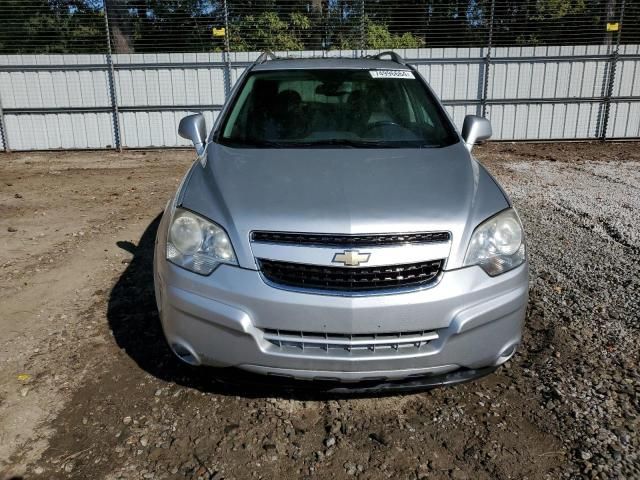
x=336 y=227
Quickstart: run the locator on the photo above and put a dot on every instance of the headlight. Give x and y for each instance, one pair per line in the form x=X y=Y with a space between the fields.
x=497 y=244
x=197 y=244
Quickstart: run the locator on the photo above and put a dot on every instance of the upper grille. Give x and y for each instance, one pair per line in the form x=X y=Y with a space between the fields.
x=332 y=240
x=349 y=279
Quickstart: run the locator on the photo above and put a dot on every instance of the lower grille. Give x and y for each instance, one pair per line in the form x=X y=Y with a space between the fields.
x=347 y=279
x=314 y=342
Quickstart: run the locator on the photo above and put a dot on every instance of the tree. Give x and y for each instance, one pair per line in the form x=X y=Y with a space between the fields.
x=378 y=36
x=164 y=25
x=77 y=26
x=267 y=31
x=59 y=26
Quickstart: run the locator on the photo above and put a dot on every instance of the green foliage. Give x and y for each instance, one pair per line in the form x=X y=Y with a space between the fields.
x=77 y=26
x=557 y=9
x=378 y=36
x=268 y=31
x=51 y=27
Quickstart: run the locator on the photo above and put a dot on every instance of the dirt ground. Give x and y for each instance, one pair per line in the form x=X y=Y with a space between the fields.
x=88 y=388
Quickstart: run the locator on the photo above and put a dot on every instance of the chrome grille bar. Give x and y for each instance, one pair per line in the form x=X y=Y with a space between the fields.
x=350 y=342
x=308 y=341
x=349 y=240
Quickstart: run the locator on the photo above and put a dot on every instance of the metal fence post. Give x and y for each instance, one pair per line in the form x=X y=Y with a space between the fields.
x=487 y=62
x=117 y=133
x=611 y=78
x=227 y=54
x=3 y=130
x=363 y=28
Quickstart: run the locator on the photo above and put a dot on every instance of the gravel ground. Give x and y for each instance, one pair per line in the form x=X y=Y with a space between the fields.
x=88 y=389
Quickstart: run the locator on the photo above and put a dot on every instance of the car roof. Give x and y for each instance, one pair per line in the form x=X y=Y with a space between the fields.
x=329 y=63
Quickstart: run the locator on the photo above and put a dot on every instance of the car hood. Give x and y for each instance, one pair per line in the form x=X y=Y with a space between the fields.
x=342 y=191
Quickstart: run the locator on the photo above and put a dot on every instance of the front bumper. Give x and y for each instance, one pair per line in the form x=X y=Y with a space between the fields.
x=220 y=320
x=251 y=383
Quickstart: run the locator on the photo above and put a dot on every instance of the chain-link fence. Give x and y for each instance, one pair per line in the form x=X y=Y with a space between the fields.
x=90 y=74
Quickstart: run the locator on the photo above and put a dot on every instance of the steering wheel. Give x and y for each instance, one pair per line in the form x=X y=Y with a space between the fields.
x=384 y=123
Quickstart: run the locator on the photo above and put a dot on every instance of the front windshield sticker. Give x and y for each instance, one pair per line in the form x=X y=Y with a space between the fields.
x=391 y=74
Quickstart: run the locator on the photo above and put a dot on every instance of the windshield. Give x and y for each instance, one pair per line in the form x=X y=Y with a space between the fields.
x=341 y=108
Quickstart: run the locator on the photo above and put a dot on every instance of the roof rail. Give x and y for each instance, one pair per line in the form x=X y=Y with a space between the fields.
x=394 y=56
x=263 y=57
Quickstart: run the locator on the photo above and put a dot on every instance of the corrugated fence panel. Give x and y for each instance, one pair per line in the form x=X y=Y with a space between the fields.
x=627 y=81
x=146 y=129
x=55 y=89
x=541 y=121
x=625 y=115
x=60 y=131
x=155 y=91
x=546 y=93
x=458 y=84
x=534 y=93
x=35 y=99
x=625 y=120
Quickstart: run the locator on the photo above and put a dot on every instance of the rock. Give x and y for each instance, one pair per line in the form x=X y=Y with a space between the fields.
x=458 y=474
x=144 y=441
x=423 y=471
x=336 y=426
x=350 y=468
x=231 y=428
x=126 y=420
x=330 y=442
x=12 y=229
x=379 y=438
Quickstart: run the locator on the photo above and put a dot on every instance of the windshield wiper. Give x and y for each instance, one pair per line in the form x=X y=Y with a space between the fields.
x=369 y=144
x=331 y=142
x=434 y=145
x=344 y=142
x=254 y=144
x=295 y=144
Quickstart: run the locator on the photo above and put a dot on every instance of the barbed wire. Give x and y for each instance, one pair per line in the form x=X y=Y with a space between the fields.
x=147 y=26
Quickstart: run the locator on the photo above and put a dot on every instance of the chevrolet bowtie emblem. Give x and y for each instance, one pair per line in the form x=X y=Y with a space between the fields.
x=351 y=258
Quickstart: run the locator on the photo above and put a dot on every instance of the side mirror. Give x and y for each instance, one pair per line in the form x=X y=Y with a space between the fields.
x=475 y=129
x=194 y=128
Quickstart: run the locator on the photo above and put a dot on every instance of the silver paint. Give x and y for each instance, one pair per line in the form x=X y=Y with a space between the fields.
x=221 y=318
